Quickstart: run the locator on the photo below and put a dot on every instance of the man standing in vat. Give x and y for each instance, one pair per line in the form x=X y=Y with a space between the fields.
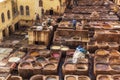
x=79 y=53
x=75 y=2
x=74 y=22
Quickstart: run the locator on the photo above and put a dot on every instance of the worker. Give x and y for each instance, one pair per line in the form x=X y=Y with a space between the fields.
x=51 y=11
x=75 y=2
x=50 y=28
x=49 y=21
x=80 y=53
x=42 y=12
x=37 y=18
x=74 y=22
x=59 y=19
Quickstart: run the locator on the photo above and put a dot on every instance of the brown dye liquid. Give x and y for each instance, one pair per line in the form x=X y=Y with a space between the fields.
x=91 y=43
x=114 y=61
x=33 y=54
x=49 y=66
x=82 y=78
x=100 y=59
x=29 y=59
x=113 y=31
x=116 y=78
x=115 y=67
x=114 y=53
x=35 y=65
x=53 y=60
x=112 y=44
x=71 y=78
x=102 y=52
x=25 y=65
x=37 y=78
x=102 y=67
x=103 y=78
x=15 y=78
x=1 y=78
x=69 y=67
x=80 y=66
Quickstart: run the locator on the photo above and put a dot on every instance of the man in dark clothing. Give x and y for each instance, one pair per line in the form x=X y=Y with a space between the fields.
x=75 y=2
x=68 y=2
x=42 y=11
x=59 y=19
x=37 y=18
x=51 y=11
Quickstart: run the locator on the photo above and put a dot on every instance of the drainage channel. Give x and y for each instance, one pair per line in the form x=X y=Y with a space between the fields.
x=61 y=76
x=91 y=68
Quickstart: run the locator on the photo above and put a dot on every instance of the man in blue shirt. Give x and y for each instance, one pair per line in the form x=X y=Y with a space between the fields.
x=74 y=22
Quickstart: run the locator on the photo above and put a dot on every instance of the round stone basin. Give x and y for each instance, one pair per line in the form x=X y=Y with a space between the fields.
x=81 y=66
x=53 y=60
x=101 y=59
x=102 y=67
x=49 y=66
x=114 y=53
x=55 y=47
x=51 y=78
x=34 y=54
x=56 y=55
x=113 y=31
x=69 y=60
x=41 y=59
x=82 y=78
x=92 y=43
x=64 y=48
x=101 y=52
x=16 y=78
x=37 y=65
x=19 y=54
x=71 y=78
x=103 y=78
x=2 y=78
x=115 y=67
x=114 y=61
x=44 y=52
x=113 y=44
x=37 y=77
x=29 y=59
x=69 y=66
x=116 y=77
x=26 y=65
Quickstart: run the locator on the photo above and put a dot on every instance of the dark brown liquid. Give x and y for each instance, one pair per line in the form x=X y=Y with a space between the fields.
x=102 y=66
x=15 y=78
x=69 y=67
x=115 y=67
x=49 y=66
x=116 y=77
x=82 y=78
x=70 y=78
x=37 y=78
x=103 y=78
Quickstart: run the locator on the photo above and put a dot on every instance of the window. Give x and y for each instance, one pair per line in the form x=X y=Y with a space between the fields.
x=27 y=10
x=8 y=14
x=40 y=3
x=3 y=17
x=21 y=10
